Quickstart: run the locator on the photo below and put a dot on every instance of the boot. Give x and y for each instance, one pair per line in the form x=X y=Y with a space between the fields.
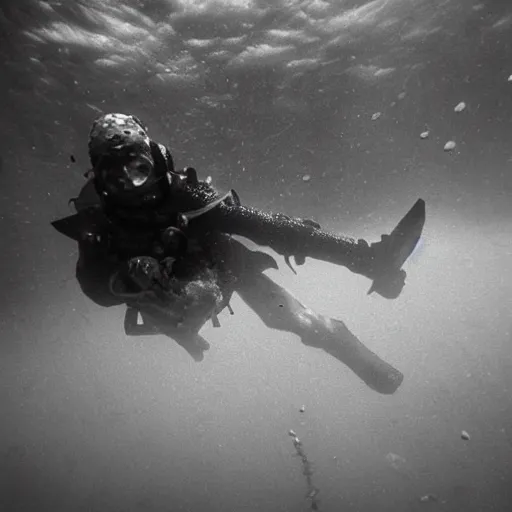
x=368 y=366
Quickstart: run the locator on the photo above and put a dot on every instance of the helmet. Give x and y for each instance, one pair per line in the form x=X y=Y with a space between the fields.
x=128 y=167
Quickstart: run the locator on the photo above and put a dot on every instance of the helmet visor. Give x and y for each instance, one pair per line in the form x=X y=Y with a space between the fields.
x=128 y=175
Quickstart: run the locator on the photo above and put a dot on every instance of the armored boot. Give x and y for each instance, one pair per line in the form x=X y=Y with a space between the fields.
x=381 y=261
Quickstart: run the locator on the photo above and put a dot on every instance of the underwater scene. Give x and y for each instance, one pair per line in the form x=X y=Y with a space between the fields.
x=256 y=256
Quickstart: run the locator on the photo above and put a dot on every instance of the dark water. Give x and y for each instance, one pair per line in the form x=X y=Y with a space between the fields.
x=260 y=94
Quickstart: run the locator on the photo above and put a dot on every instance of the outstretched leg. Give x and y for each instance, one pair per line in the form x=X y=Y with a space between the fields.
x=279 y=309
x=381 y=261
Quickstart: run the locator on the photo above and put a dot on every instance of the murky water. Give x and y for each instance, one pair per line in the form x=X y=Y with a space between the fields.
x=260 y=96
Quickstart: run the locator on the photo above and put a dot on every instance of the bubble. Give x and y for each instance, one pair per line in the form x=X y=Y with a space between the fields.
x=460 y=107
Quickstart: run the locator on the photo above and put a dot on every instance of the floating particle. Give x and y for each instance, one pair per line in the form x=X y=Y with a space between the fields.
x=396 y=461
x=510 y=78
x=312 y=493
x=460 y=107
x=465 y=436
x=302 y=408
x=306 y=177
x=401 y=96
x=93 y=107
x=449 y=145
x=376 y=116
x=428 y=498
x=292 y=433
x=425 y=134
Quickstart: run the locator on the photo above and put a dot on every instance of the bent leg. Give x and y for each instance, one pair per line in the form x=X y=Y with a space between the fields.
x=279 y=309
